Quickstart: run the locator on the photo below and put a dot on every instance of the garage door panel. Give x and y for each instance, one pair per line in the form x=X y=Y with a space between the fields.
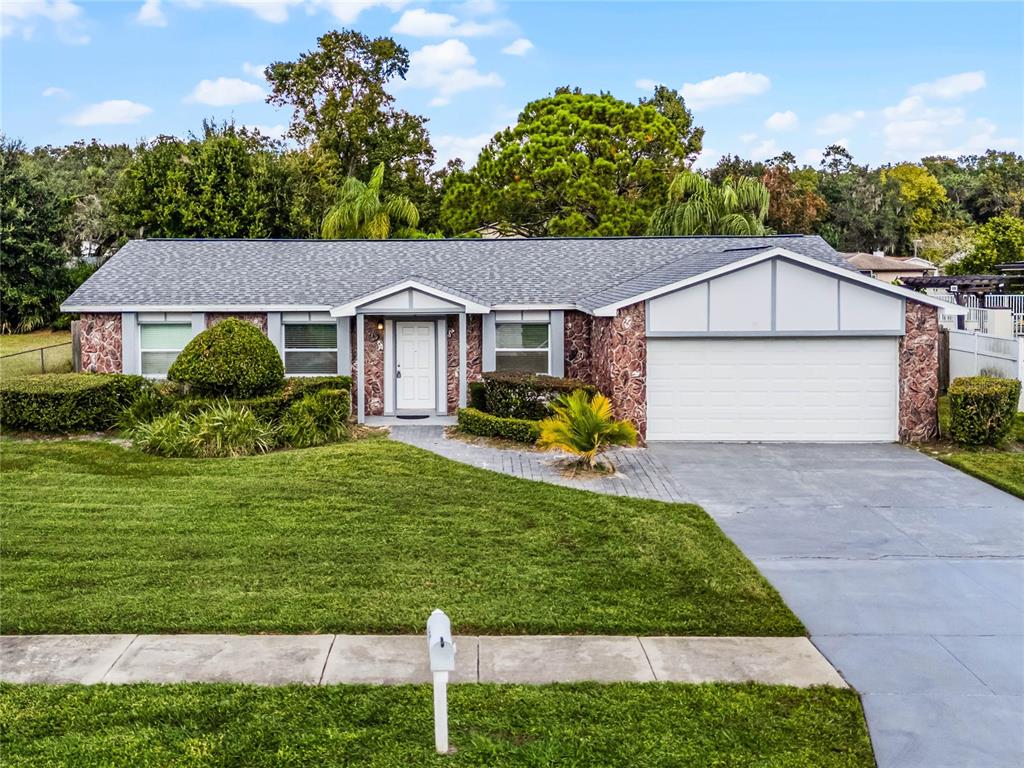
x=813 y=389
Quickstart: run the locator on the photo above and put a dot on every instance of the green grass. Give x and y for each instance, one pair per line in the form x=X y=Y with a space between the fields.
x=56 y=360
x=654 y=724
x=367 y=536
x=1002 y=468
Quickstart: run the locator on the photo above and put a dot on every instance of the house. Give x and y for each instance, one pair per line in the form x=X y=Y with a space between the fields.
x=890 y=268
x=692 y=338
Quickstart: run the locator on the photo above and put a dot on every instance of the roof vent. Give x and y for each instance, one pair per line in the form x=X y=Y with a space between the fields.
x=878 y=253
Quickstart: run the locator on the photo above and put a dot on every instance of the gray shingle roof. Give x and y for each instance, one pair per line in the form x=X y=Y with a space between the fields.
x=278 y=273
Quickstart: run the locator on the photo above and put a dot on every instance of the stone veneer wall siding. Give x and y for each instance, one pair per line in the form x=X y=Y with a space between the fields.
x=373 y=390
x=474 y=355
x=919 y=374
x=619 y=363
x=578 y=329
x=259 y=319
x=100 y=336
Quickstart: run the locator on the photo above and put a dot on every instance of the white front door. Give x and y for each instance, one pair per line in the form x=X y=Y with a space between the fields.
x=414 y=367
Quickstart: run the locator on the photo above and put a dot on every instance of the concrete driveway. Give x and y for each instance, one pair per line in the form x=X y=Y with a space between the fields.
x=908 y=574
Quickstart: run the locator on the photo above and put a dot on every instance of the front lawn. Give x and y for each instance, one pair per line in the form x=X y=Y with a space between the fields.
x=361 y=537
x=654 y=724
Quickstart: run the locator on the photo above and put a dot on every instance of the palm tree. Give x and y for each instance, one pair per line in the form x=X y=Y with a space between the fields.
x=695 y=206
x=584 y=427
x=361 y=211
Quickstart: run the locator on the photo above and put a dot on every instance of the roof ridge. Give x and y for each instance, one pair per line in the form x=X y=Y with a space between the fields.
x=464 y=239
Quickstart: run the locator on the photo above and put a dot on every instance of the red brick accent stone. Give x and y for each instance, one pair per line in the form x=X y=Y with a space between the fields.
x=919 y=374
x=259 y=319
x=373 y=390
x=100 y=335
x=578 y=329
x=619 y=368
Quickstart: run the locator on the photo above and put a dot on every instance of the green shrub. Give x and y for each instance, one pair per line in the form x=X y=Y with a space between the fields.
x=584 y=426
x=300 y=386
x=220 y=430
x=152 y=401
x=316 y=419
x=268 y=408
x=231 y=359
x=166 y=435
x=228 y=429
x=477 y=422
x=516 y=395
x=478 y=395
x=67 y=402
x=982 y=409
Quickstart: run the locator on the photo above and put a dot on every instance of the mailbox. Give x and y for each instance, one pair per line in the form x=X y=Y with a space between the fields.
x=440 y=643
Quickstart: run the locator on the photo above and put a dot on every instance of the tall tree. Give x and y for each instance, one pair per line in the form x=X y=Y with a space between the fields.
x=998 y=241
x=855 y=220
x=342 y=110
x=574 y=164
x=362 y=211
x=696 y=206
x=229 y=183
x=33 y=276
x=795 y=206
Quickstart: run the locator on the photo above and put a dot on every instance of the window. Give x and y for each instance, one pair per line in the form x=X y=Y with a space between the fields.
x=522 y=347
x=160 y=344
x=310 y=348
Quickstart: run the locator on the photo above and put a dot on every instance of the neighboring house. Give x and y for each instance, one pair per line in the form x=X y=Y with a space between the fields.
x=890 y=268
x=692 y=338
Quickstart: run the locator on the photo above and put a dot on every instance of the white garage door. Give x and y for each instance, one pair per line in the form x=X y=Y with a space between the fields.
x=808 y=389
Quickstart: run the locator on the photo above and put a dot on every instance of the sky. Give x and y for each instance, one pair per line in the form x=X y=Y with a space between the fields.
x=890 y=81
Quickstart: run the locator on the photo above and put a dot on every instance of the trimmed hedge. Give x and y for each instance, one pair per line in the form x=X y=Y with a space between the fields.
x=300 y=386
x=67 y=402
x=230 y=359
x=982 y=409
x=517 y=395
x=478 y=395
x=476 y=422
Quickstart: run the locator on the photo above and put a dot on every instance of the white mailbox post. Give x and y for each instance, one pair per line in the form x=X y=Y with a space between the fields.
x=441 y=648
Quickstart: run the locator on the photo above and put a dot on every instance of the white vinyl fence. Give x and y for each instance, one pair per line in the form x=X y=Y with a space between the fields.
x=978 y=354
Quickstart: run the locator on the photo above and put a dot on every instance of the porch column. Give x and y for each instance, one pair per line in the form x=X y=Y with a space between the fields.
x=361 y=367
x=462 y=360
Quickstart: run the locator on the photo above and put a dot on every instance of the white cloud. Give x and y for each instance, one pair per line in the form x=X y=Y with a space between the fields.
x=478 y=7
x=225 y=91
x=468 y=148
x=53 y=90
x=782 y=121
x=347 y=11
x=724 y=89
x=22 y=17
x=766 y=149
x=420 y=22
x=951 y=87
x=111 y=112
x=836 y=122
x=270 y=131
x=708 y=158
x=913 y=126
x=519 y=47
x=747 y=138
x=448 y=68
x=646 y=84
x=277 y=11
x=255 y=71
x=151 y=14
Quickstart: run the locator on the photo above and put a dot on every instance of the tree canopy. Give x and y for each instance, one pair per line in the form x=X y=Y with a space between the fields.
x=696 y=206
x=575 y=164
x=363 y=212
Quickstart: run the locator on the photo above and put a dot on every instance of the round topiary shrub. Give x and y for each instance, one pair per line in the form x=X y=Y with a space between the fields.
x=231 y=359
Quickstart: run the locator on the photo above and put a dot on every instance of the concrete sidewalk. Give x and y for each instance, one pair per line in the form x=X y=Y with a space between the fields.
x=397 y=659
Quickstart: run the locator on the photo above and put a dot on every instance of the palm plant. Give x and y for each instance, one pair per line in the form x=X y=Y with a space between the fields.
x=695 y=206
x=363 y=212
x=585 y=427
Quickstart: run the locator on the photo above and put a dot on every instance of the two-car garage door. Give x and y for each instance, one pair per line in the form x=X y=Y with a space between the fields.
x=828 y=389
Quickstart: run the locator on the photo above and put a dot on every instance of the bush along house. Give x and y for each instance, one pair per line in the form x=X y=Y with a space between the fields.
x=692 y=338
